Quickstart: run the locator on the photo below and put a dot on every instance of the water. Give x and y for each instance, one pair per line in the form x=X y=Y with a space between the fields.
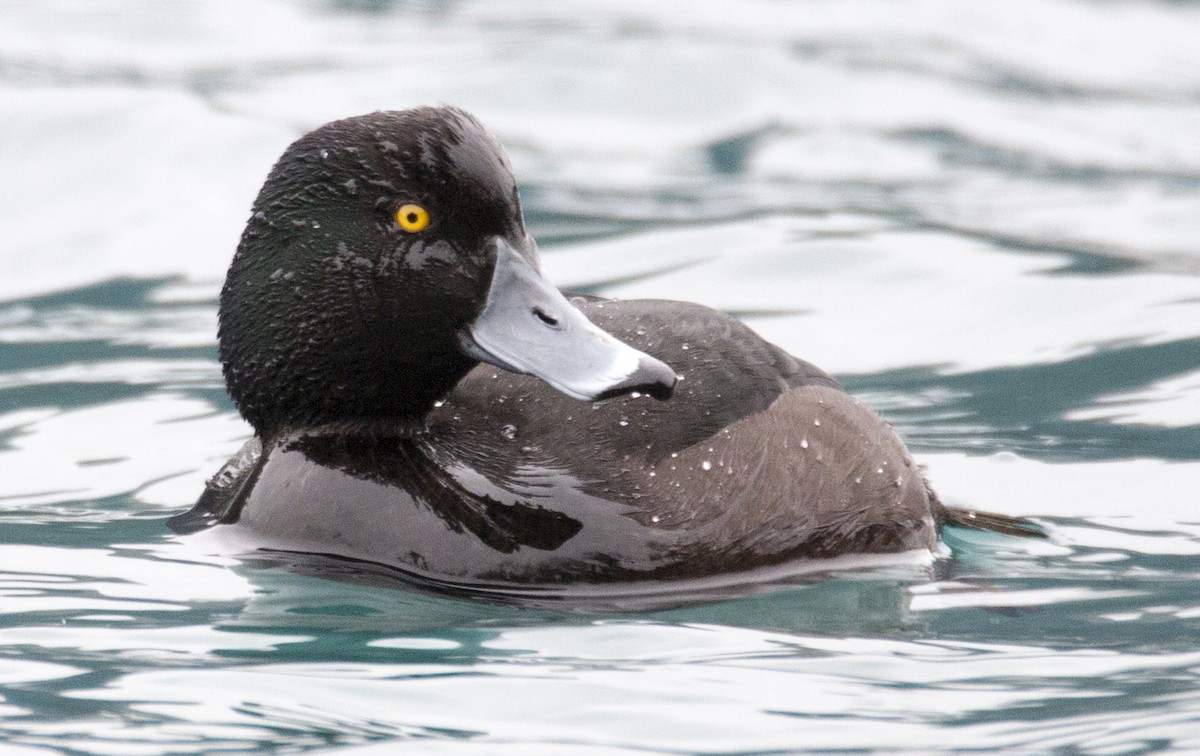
x=983 y=217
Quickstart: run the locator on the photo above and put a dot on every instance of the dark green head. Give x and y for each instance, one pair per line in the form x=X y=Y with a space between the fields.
x=385 y=256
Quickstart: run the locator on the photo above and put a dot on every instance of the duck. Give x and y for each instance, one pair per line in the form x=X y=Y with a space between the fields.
x=427 y=403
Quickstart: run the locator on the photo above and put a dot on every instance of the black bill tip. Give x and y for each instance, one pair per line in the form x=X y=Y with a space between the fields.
x=653 y=377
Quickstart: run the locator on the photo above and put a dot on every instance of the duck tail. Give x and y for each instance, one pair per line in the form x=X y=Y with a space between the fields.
x=973 y=519
x=992 y=522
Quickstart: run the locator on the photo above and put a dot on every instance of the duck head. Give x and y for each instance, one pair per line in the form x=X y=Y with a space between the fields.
x=386 y=255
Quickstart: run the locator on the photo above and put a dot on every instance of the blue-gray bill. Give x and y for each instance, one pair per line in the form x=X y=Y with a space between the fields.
x=528 y=326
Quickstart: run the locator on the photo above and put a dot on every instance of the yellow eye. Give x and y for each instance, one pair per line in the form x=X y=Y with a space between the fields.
x=412 y=218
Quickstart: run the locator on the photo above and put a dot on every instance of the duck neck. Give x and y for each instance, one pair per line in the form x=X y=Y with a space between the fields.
x=364 y=428
x=339 y=386
x=345 y=400
x=322 y=354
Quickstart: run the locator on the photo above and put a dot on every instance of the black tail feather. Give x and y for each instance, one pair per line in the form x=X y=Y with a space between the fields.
x=992 y=522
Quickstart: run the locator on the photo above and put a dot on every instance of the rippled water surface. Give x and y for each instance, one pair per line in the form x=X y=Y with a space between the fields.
x=984 y=217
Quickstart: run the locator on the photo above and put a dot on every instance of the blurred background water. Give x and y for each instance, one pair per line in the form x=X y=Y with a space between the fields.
x=984 y=217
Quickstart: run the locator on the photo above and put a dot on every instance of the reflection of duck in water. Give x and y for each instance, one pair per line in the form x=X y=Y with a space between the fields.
x=386 y=258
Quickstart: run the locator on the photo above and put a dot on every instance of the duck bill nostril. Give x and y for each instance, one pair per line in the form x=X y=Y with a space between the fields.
x=545 y=317
x=527 y=326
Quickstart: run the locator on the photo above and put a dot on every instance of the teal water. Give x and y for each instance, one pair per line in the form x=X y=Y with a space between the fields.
x=984 y=218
